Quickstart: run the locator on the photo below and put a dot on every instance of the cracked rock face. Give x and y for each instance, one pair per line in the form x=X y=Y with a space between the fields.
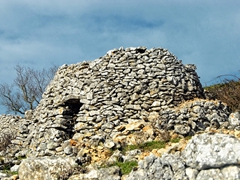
x=212 y=151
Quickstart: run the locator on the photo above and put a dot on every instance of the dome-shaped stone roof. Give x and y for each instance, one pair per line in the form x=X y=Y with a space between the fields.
x=122 y=87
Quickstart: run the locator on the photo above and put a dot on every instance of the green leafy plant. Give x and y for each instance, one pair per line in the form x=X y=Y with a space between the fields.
x=11 y=172
x=21 y=157
x=147 y=146
x=175 y=140
x=125 y=167
x=6 y=169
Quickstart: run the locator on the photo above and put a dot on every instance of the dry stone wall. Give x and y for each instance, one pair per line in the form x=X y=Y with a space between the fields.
x=14 y=131
x=193 y=116
x=122 y=87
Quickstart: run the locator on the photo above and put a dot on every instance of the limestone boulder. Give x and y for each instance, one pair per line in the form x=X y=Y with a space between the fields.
x=229 y=172
x=46 y=168
x=234 y=119
x=111 y=173
x=154 y=168
x=207 y=151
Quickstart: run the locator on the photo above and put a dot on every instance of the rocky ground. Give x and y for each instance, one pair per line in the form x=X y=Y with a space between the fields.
x=212 y=154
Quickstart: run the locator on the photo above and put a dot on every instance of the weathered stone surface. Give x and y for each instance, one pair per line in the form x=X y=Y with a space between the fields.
x=152 y=167
x=234 y=119
x=28 y=114
x=46 y=168
x=111 y=173
x=191 y=173
x=229 y=172
x=3 y=175
x=212 y=151
x=194 y=115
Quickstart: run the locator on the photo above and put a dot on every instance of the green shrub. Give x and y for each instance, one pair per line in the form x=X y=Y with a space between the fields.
x=147 y=146
x=228 y=91
x=126 y=167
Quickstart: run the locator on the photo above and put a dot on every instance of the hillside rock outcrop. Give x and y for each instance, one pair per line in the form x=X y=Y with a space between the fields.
x=206 y=156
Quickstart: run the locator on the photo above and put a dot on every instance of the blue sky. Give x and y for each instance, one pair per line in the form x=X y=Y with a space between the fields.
x=44 y=33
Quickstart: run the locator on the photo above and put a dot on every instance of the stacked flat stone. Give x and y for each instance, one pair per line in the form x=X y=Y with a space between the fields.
x=14 y=131
x=193 y=116
x=119 y=88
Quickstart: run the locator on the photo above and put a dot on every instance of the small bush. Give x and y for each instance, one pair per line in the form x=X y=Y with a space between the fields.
x=228 y=91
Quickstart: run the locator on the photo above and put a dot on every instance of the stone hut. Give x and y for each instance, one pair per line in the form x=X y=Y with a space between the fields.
x=126 y=96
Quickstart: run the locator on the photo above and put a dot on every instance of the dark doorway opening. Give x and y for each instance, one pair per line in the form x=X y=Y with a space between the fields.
x=71 y=109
